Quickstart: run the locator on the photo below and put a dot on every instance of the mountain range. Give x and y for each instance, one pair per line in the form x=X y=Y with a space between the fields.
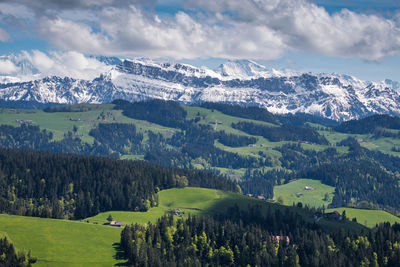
x=243 y=82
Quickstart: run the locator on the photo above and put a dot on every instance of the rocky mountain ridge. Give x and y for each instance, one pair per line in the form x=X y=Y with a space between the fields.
x=337 y=97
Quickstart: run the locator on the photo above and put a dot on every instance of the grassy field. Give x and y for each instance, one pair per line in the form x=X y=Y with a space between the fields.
x=62 y=243
x=203 y=201
x=313 y=198
x=90 y=243
x=368 y=218
x=190 y=200
x=60 y=123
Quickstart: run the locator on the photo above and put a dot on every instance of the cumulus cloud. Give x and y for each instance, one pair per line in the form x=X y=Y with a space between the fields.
x=132 y=32
x=253 y=29
x=7 y=67
x=36 y=64
x=305 y=26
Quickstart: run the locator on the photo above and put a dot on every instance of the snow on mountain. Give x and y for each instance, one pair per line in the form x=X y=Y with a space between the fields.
x=338 y=97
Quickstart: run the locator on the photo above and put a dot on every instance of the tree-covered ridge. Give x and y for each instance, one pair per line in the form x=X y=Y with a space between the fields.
x=119 y=137
x=71 y=186
x=369 y=124
x=9 y=257
x=254 y=113
x=166 y=113
x=285 y=132
x=233 y=140
x=248 y=238
x=257 y=163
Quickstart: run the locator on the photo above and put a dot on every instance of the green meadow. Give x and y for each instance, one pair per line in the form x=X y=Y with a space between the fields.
x=91 y=243
x=295 y=192
x=190 y=200
x=366 y=217
x=60 y=122
x=62 y=243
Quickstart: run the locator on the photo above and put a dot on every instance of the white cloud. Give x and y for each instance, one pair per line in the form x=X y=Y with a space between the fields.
x=7 y=67
x=36 y=64
x=253 y=29
x=304 y=26
x=72 y=36
x=132 y=32
x=4 y=36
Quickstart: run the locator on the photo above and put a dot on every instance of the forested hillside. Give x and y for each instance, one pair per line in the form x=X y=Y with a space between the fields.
x=360 y=158
x=246 y=238
x=70 y=186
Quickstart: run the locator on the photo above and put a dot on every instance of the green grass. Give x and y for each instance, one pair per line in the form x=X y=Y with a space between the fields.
x=201 y=201
x=61 y=242
x=368 y=218
x=190 y=200
x=60 y=123
x=74 y=243
x=313 y=198
x=207 y=116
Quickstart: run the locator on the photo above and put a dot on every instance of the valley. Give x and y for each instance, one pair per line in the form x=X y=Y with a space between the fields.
x=287 y=164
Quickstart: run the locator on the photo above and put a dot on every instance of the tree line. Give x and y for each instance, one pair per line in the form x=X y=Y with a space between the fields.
x=248 y=238
x=43 y=184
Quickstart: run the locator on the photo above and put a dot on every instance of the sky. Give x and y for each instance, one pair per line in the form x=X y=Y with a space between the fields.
x=359 y=37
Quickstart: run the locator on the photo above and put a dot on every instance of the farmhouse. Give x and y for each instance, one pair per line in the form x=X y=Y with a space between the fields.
x=116 y=223
x=333 y=216
x=24 y=121
x=176 y=212
x=309 y=188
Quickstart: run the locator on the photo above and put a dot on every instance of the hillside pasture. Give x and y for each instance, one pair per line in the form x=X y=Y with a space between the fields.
x=294 y=192
x=61 y=242
x=366 y=217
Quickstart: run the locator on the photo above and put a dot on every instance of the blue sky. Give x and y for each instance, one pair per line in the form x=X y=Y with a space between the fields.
x=359 y=37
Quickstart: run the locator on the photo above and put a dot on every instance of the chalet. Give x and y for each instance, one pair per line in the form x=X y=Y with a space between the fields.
x=215 y=122
x=24 y=121
x=116 y=223
x=261 y=197
x=176 y=212
x=74 y=119
x=278 y=238
x=333 y=216
x=330 y=216
x=309 y=188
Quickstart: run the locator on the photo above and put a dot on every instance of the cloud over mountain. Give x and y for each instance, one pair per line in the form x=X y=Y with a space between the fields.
x=254 y=29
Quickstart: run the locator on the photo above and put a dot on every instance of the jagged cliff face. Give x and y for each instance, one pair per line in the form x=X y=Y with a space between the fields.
x=239 y=82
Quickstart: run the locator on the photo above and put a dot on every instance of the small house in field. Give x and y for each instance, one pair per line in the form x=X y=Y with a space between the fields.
x=176 y=212
x=309 y=188
x=116 y=223
x=333 y=216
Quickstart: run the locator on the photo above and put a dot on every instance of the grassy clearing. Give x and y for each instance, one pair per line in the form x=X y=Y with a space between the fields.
x=190 y=200
x=60 y=122
x=207 y=116
x=62 y=243
x=368 y=218
x=201 y=201
x=313 y=198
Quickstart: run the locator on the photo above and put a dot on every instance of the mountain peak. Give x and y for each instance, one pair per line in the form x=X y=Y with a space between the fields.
x=241 y=69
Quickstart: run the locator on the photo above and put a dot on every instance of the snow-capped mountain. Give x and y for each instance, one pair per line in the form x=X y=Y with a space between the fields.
x=338 y=97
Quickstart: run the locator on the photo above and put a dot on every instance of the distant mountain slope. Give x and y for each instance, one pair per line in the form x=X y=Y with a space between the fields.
x=247 y=83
